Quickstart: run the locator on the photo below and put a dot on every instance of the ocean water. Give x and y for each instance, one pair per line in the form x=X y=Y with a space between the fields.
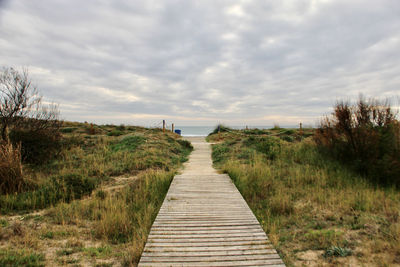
x=205 y=130
x=195 y=130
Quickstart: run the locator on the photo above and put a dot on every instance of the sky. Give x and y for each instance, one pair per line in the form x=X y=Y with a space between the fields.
x=238 y=62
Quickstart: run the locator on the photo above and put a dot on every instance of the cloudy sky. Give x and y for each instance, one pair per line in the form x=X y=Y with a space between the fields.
x=203 y=62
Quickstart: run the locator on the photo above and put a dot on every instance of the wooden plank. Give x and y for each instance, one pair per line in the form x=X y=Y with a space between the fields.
x=204 y=221
x=169 y=236
x=269 y=263
x=211 y=253
x=211 y=228
x=226 y=244
x=219 y=240
x=221 y=249
x=209 y=258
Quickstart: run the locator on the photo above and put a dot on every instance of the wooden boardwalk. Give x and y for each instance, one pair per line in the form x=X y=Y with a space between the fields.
x=204 y=221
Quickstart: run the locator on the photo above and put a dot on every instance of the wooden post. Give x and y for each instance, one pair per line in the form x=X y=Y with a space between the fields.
x=163 y=126
x=173 y=127
x=301 y=129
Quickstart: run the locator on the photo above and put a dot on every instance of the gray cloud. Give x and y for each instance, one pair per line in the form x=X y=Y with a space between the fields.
x=202 y=62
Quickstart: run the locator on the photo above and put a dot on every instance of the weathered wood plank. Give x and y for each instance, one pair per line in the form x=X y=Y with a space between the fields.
x=181 y=253
x=204 y=221
x=227 y=244
x=220 y=249
x=269 y=263
x=210 y=258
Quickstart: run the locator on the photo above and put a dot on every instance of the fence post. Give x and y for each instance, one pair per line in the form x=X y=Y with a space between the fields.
x=173 y=127
x=301 y=129
x=163 y=126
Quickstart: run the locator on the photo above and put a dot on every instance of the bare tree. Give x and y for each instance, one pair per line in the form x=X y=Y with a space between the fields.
x=18 y=98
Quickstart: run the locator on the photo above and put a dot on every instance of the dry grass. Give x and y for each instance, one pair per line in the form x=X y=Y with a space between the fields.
x=11 y=176
x=312 y=206
x=131 y=173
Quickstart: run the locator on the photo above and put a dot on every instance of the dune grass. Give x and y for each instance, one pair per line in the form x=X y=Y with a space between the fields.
x=314 y=210
x=94 y=204
x=121 y=218
x=90 y=159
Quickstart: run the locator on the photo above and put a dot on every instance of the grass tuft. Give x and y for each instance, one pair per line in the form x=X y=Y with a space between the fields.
x=9 y=257
x=337 y=252
x=11 y=176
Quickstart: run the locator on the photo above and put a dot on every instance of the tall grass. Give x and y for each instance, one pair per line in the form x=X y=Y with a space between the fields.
x=106 y=188
x=89 y=160
x=125 y=217
x=11 y=176
x=305 y=201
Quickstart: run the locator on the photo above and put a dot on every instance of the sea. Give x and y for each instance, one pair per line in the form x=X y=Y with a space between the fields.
x=205 y=130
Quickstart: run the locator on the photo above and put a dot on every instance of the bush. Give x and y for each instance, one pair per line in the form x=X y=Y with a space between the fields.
x=37 y=146
x=337 y=252
x=270 y=146
x=121 y=127
x=221 y=128
x=58 y=188
x=91 y=129
x=75 y=186
x=68 y=129
x=365 y=135
x=185 y=144
x=11 y=177
x=129 y=143
x=115 y=133
x=219 y=153
x=256 y=131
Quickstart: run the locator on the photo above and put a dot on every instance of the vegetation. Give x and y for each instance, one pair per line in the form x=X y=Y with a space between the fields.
x=29 y=130
x=221 y=129
x=315 y=210
x=11 y=178
x=20 y=258
x=99 y=196
x=366 y=136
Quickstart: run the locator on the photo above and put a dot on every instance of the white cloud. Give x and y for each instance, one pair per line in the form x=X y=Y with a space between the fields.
x=203 y=62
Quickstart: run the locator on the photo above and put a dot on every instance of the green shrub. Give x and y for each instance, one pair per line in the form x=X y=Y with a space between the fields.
x=256 y=131
x=37 y=146
x=289 y=132
x=185 y=144
x=219 y=153
x=75 y=186
x=129 y=143
x=270 y=146
x=68 y=129
x=337 y=252
x=115 y=133
x=288 y=138
x=60 y=188
x=221 y=128
x=121 y=127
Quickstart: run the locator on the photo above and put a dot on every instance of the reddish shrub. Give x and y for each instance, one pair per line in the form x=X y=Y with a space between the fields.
x=366 y=135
